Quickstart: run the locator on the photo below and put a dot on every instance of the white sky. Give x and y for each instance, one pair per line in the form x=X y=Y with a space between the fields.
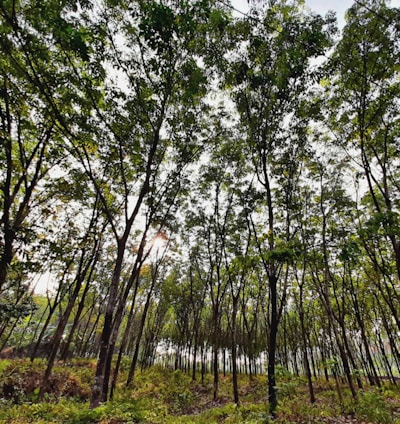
x=319 y=6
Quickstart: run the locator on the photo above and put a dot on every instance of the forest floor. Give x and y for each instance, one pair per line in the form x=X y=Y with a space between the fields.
x=171 y=397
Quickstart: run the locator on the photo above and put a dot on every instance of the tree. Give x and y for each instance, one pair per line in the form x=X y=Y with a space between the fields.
x=331 y=200
x=268 y=85
x=366 y=95
x=29 y=142
x=41 y=98
x=150 y=122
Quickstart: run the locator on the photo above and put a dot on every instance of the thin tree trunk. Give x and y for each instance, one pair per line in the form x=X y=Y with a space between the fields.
x=305 y=346
x=272 y=390
x=100 y=390
x=215 y=354
x=234 y=352
x=124 y=342
x=139 y=336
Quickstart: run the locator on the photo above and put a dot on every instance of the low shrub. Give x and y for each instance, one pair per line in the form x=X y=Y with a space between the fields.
x=21 y=380
x=372 y=406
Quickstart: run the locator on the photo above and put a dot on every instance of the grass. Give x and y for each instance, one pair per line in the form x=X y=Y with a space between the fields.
x=171 y=397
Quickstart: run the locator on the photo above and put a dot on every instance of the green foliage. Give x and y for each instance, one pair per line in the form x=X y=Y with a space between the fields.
x=373 y=407
x=232 y=414
x=10 y=311
x=158 y=25
x=300 y=410
x=161 y=396
x=161 y=387
x=69 y=412
x=280 y=255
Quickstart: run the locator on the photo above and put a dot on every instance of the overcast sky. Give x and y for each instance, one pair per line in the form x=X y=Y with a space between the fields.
x=319 y=6
x=322 y=6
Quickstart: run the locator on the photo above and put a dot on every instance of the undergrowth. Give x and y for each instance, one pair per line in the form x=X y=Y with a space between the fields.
x=162 y=396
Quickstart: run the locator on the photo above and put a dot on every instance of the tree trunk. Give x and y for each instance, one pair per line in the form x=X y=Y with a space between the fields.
x=272 y=390
x=100 y=390
x=215 y=352
x=305 y=346
x=234 y=352
x=124 y=343
x=139 y=337
x=81 y=305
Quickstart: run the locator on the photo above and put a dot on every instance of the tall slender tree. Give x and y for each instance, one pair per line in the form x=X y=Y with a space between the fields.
x=365 y=100
x=268 y=82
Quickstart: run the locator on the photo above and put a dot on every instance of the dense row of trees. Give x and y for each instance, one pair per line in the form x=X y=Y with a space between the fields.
x=201 y=188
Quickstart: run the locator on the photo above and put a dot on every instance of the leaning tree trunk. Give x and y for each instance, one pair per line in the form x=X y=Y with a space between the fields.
x=100 y=390
x=124 y=342
x=135 y=357
x=56 y=340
